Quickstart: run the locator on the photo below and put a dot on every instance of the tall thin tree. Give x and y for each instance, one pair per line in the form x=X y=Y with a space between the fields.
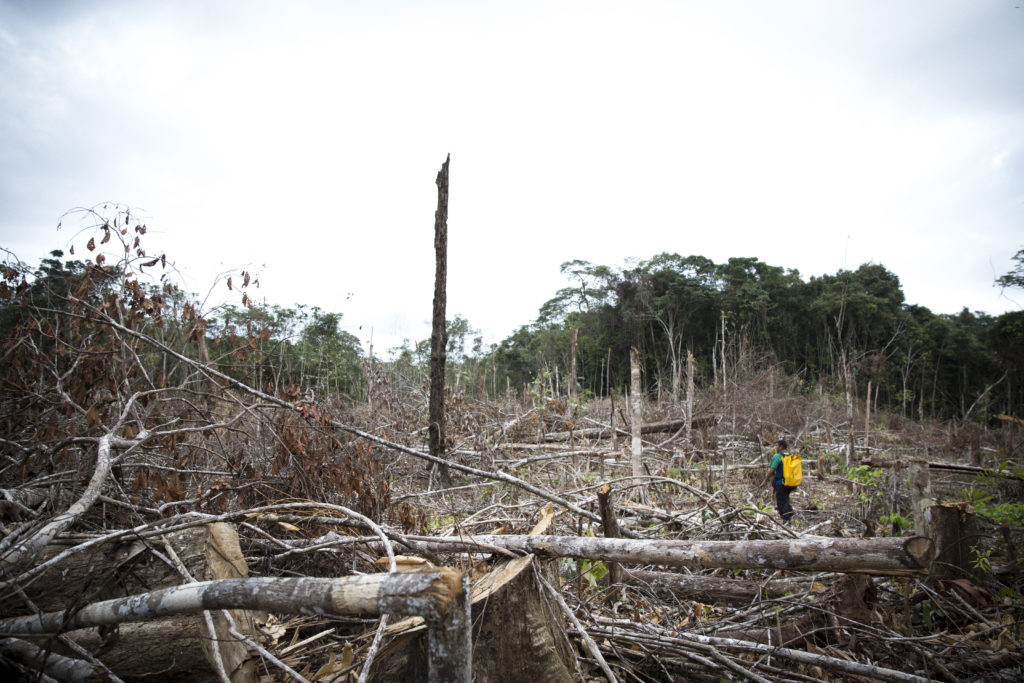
x=636 y=411
x=439 y=331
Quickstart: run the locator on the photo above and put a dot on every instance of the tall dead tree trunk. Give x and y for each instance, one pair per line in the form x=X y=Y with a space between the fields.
x=724 y=379
x=611 y=400
x=636 y=411
x=571 y=379
x=689 y=396
x=867 y=419
x=848 y=386
x=439 y=331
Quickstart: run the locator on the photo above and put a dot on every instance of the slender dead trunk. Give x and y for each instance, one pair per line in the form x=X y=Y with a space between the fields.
x=611 y=398
x=724 y=381
x=867 y=419
x=920 y=495
x=571 y=379
x=439 y=331
x=689 y=396
x=848 y=386
x=636 y=411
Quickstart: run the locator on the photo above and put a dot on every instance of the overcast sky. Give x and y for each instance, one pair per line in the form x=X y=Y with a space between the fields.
x=301 y=140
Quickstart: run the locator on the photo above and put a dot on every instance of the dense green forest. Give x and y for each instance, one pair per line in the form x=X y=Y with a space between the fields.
x=745 y=313
x=740 y=316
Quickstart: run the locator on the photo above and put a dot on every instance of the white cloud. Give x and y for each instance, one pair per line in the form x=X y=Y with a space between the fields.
x=305 y=137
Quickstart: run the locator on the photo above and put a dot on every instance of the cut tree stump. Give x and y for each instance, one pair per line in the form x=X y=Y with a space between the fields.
x=515 y=636
x=954 y=530
x=177 y=648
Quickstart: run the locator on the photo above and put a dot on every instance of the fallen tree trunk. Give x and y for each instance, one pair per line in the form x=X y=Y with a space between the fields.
x=32 y=658
x=942 y=467
x=647 y=428
x=879 y=556
x=714 y=589
x=437 y=595
x=424 y=594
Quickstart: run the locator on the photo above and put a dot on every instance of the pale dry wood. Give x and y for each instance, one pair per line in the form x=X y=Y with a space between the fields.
x=57 y=667
x=421 y=593
x=880 y=556
x=635 y=412
x=920 y=495
x=714 y=589
x=659 y=427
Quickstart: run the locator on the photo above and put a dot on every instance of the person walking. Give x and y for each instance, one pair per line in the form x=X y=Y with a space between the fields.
x=774 y=476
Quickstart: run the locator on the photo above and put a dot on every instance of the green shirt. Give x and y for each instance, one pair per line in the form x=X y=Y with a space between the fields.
x=777 y=466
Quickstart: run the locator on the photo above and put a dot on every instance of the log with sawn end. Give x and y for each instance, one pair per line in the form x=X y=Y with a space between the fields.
x=879 y=556
x=647 y=428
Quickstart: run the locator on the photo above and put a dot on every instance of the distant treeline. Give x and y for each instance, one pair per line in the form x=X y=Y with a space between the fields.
x=747 y=315
x=736 y=319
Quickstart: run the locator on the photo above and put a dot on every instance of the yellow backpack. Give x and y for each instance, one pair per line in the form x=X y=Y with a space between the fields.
x=792 y=469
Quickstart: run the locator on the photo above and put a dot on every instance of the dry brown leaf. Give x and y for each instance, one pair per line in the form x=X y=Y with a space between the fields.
x=405 y=563
x=272 y=629
x=347 y=655
x=547 y=515
x=330 y=668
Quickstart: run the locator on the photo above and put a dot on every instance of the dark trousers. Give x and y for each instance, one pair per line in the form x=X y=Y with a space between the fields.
x=782 y=502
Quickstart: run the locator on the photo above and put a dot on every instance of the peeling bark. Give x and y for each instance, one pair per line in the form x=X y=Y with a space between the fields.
x=880 y=556
x=439 y=331
x=714 y=589
x=424 y=594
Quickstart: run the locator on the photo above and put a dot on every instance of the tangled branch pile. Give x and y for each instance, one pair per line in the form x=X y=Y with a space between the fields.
x=136 y=457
